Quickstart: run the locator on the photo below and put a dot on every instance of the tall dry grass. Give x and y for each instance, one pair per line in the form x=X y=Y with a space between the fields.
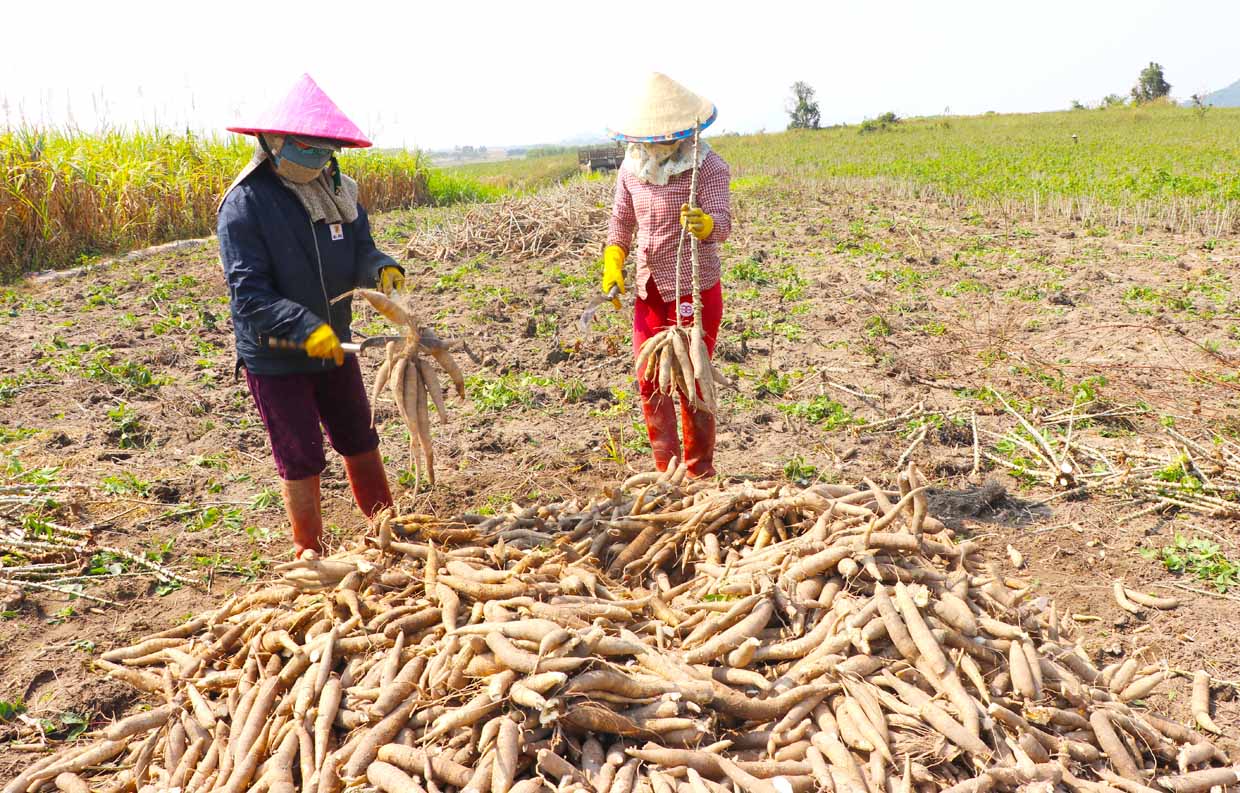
x=67 y=197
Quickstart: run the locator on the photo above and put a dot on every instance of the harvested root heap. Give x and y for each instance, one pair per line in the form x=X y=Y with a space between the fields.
x=668 y=637
x=412 y=381
x=568 y=220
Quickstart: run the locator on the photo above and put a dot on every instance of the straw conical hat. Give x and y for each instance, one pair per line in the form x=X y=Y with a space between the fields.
x=663 y=109
x=307 y=111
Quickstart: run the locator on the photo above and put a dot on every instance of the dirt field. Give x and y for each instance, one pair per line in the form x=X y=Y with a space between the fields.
x=855 y=326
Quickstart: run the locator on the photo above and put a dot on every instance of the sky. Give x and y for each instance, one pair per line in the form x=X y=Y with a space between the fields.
x=436 y=75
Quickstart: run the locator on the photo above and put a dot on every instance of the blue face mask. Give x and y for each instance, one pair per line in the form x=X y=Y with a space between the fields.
x=300 y=153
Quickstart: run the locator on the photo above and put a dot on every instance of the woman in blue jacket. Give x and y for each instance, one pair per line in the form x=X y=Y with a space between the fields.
x=293 y=237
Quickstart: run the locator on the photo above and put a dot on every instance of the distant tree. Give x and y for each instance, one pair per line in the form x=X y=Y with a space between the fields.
x=482 y=150
x=1151 y=85
x=1112 y=100
x=882 y=123
x=1076 y=105
x=802 y=107
x=1199 y=105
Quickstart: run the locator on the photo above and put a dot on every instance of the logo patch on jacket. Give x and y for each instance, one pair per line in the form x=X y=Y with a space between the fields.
x=337 y=232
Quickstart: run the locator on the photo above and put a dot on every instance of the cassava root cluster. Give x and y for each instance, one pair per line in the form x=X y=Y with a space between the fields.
x=667 y=637
x=676 y=358
x=412 y=381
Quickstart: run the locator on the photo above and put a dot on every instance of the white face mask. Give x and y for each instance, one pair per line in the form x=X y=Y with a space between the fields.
x=657 y=162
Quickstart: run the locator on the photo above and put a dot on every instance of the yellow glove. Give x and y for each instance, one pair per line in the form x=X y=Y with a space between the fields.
x=322 y=343
x=613 y=270
x=391 y=279
x=696 y=221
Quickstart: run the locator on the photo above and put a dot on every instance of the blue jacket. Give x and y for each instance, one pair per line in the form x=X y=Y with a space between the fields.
x=282 y=271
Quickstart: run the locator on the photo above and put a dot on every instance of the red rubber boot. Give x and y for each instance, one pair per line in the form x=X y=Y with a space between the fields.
x=301 y=502
x=699 y=427
x=368 y=480
x=660 y=412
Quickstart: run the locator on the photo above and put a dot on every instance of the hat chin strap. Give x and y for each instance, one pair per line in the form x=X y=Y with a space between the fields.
x=336 y=180
x=262 y=141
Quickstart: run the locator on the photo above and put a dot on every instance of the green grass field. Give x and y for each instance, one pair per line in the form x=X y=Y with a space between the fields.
x=519 y=174
x=1121 y=157
x=1151 y=163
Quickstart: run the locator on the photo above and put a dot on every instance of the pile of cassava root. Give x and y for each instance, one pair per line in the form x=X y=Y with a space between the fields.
x=665 y=638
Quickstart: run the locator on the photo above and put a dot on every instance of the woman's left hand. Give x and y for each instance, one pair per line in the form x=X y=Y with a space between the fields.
x=696 y=221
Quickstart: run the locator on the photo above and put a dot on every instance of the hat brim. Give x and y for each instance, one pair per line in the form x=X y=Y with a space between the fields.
x=681 y=135
x=348 y=143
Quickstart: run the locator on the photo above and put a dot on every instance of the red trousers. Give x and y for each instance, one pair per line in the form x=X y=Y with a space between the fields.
x=293 y=406
x=650 y=316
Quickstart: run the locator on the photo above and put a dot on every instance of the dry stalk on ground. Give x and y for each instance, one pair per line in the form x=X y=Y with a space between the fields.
x=568 y=220
x=1201 y=476
x=47 y=556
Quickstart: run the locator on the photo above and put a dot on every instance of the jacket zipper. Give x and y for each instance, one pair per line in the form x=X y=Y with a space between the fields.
x=327 y=303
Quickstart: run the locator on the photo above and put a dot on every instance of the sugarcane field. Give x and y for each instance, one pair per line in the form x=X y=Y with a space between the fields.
x=898 y=453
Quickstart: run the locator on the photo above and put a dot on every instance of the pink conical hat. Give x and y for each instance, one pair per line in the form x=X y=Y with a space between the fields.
x=306 y=110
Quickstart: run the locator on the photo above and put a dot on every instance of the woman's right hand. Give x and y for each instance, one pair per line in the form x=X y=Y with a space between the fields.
x=323 y=343
x=613 y=270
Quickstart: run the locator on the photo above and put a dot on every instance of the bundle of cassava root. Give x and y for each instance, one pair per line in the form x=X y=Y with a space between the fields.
x=668 y=637
x=412 y=381
x=676 y=358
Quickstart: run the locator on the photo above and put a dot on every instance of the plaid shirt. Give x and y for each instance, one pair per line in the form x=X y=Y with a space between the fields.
x=653 y=211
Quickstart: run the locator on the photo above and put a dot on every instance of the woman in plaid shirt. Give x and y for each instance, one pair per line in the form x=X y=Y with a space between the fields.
x=651 y=207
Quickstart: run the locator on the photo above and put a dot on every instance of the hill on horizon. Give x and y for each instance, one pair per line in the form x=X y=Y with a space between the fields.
x=1225 y=97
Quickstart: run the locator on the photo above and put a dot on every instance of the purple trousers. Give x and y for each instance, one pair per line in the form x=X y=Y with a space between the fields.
x=294 y=405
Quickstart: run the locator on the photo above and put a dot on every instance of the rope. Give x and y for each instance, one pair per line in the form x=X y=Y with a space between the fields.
x=680 y=244
x=693 y=243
